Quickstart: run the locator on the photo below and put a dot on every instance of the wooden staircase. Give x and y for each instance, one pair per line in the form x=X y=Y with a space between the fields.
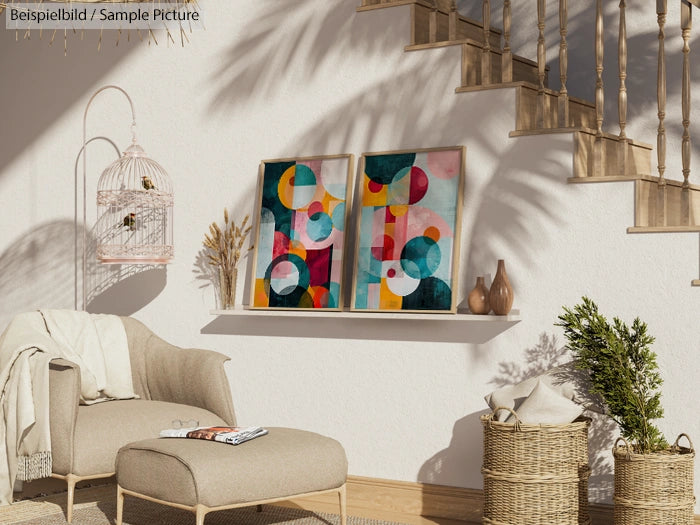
x=661 y=205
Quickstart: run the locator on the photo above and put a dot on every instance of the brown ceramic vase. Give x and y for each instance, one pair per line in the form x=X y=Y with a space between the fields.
x=478 y=298
x=501 y=293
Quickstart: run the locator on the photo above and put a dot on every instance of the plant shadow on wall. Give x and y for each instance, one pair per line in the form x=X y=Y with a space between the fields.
x=292 y=35
x=30 y=67
x=462 y=455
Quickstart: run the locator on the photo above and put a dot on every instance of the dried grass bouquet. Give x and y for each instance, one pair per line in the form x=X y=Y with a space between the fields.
x=225 y=250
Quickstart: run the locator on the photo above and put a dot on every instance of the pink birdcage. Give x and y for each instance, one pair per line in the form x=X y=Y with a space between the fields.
x=135 y=211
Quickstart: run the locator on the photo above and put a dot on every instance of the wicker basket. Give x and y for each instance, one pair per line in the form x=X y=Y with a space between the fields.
x=654 y=489
x=535 y=474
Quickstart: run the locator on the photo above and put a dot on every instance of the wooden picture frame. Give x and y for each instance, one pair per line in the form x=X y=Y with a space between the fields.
x=409 y=210
x=301 y=220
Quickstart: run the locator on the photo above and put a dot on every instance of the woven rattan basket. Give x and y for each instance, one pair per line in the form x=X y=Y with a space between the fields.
x=654 y=489
x=535 y=474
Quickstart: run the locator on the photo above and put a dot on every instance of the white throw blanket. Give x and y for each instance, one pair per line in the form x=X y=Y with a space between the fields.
x=97 y=343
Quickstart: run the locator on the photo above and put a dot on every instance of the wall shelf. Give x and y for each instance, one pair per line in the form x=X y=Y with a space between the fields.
x=394 y=326
x=514 y=315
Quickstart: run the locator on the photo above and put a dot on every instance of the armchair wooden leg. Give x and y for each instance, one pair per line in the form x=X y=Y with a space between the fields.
x=120 y=505
x=200 y=512
x=342 y=496
x=71 y=480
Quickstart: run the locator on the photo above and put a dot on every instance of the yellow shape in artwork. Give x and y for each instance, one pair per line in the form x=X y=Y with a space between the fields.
x=399 y=210
x=388 y=300
x=262 y=292
x=373 y=194
x=297 y=248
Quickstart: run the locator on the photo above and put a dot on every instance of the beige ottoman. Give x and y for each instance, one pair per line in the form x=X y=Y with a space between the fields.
x=204 y=476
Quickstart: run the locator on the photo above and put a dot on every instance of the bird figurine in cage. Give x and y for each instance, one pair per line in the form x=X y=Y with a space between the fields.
x=135 y=193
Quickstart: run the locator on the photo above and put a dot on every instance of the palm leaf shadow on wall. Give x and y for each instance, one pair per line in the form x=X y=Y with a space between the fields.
x=255 y=65
x=36 y=67
x=36 y=270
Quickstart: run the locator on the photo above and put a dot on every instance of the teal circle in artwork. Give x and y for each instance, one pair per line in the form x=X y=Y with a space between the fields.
x=420 y=257
x=304 y=176
x=319 y=226
x=338 y=216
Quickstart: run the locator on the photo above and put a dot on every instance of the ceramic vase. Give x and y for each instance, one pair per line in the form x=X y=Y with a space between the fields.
x=501 y=293
x=478 y=299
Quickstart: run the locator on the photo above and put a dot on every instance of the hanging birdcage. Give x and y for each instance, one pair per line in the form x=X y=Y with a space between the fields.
x=135 y=211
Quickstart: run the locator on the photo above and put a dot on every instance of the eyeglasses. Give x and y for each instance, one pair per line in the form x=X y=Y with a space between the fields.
x=190 y=423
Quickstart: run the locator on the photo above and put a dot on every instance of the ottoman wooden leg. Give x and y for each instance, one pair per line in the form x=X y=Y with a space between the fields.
x=343 y=506
x=120 y=505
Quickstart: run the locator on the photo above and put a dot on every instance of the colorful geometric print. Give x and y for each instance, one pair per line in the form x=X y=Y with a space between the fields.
x=409 y=212
x=300 y=244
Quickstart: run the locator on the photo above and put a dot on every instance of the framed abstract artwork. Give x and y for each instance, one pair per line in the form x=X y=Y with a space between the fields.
x=300 y=233
x=408 y=231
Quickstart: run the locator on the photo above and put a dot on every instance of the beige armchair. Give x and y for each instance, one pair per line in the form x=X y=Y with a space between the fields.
x=172 y=383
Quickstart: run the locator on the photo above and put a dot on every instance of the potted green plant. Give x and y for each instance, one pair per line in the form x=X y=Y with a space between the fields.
x=653 y=481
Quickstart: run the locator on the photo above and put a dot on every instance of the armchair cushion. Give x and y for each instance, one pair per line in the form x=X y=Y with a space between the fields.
x=104 y=428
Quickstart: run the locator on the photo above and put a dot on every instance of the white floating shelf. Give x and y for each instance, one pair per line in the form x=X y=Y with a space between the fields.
x=513 y=316
x=390 y=326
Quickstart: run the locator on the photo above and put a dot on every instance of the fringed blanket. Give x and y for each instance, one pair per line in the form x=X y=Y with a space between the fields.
x=97 y=343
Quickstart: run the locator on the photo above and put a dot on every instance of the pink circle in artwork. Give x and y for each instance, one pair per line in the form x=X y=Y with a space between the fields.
x=283 y=270
x=315 y=207
x=374 y=187
x=418 y=185
x=391 y=273
x=445 y=164
x=280 y=244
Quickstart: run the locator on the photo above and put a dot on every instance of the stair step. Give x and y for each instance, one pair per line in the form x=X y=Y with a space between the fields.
x=421 y=16
x=682 y=207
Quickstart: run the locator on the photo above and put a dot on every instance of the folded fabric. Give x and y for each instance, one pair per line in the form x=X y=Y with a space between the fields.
x=546 y=406
x=97 y=344
x=512 y=396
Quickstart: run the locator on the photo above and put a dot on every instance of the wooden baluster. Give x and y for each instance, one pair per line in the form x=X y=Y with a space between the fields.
x=433 y=23
x=623 y=147
x=661 y=10
x=507 y=56
x=686 y=25
x=599 y=92
x=453 y=20
x=563 y=100
x=541 y=62
x=486 y=50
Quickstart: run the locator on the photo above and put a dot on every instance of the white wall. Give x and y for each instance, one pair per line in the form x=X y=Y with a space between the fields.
x=278 y=78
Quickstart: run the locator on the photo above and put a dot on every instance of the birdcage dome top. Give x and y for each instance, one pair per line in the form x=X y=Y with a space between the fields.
x=134 y=177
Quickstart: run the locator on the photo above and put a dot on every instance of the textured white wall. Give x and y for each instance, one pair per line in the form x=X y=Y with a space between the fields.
x=277 y=78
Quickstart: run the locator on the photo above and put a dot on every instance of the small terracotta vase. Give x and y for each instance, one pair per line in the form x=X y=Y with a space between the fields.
x=501 y=293
x=478 y=299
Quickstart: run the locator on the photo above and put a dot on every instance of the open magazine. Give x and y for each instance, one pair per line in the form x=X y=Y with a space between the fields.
x=230 y=435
